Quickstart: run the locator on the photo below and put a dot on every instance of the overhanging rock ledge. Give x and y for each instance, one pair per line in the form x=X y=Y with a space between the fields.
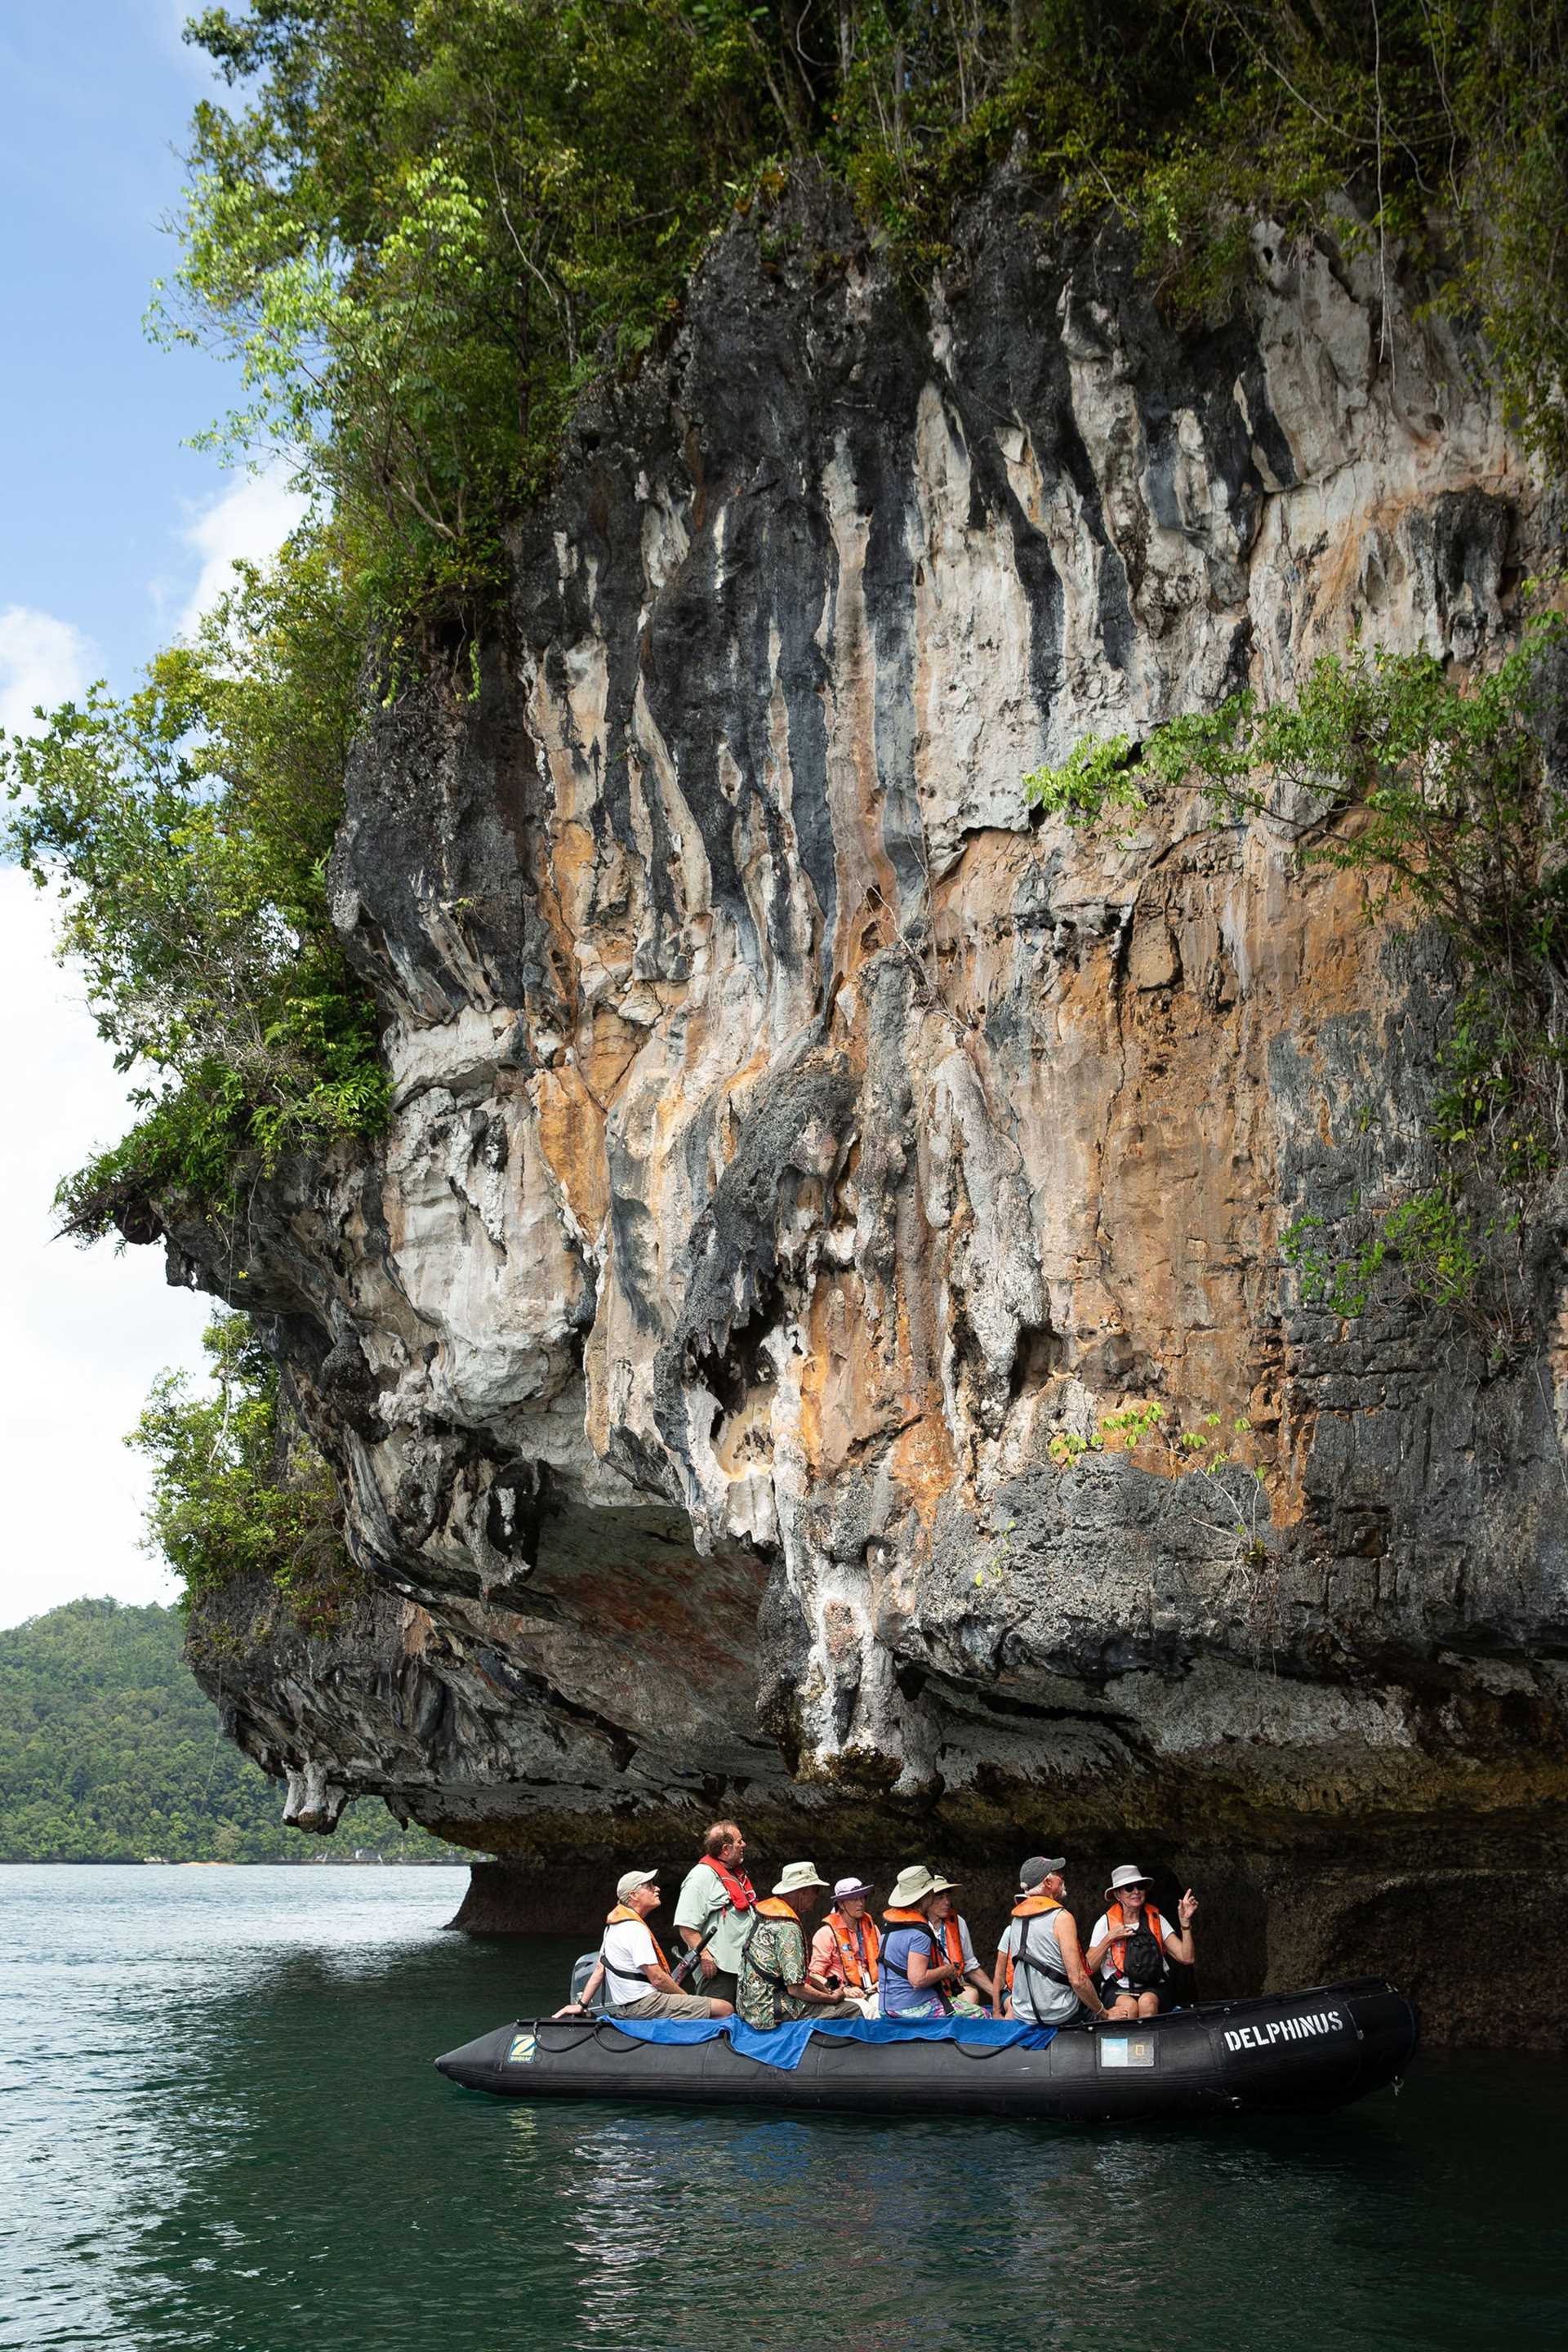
x=792 y=1133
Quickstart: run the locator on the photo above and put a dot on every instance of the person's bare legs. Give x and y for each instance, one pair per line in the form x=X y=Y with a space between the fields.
x=1124 y=2010
x=1147 y=2004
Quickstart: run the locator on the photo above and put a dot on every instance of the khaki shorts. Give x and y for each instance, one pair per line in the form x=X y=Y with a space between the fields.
x=662 y=2004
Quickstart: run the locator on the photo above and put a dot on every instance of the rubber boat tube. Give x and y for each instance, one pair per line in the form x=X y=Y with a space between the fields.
x=1289 y=2052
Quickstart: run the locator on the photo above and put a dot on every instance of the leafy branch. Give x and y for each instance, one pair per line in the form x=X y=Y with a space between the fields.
x=1445 y=796
x=237 y=1491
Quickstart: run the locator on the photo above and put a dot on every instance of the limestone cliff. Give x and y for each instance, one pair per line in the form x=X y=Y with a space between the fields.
x=791 y=1132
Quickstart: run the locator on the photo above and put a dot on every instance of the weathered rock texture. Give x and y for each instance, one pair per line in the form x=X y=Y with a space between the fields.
x=791 y=1132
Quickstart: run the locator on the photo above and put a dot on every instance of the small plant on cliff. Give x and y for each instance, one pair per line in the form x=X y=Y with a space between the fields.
x=1207 y=1452
x=1442 y=796
x=235 y=1492
x=1224 y=1492
x=1456 y=1253
x=185 y=829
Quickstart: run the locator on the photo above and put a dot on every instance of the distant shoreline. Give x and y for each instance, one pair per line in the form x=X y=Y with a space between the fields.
x=110 y=1752
x=273 y=1861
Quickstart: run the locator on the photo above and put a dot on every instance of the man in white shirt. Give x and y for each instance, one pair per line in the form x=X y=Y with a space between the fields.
x=631 y=1967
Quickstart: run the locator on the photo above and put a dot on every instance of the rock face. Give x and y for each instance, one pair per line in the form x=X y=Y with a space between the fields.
x=793 y=1133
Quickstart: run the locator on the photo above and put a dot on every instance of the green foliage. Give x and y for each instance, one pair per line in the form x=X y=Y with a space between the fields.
x=1386 y=764
x=421 y=227
x=1223 y=1490
x=186 y=829
x=1436 y=792
x=1205 y=1446
x=110 y=1751
x=234 y=1494
x=1219 y=1487
x=424 y=226
x=1454 y=1245
x=1343 y=1285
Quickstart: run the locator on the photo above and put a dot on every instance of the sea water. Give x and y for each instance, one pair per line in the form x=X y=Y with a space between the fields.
x=219 y=2126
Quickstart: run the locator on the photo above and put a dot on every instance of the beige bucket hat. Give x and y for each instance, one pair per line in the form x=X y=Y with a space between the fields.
x=796 y=1876
x=913 y=1885
x=1126 y=1873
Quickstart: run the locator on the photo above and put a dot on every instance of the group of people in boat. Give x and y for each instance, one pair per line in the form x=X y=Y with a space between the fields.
x=761 y=1957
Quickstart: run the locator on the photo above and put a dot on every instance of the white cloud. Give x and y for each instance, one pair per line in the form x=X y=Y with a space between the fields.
x=85 y=1331
x=247 y=524
x=42 y=661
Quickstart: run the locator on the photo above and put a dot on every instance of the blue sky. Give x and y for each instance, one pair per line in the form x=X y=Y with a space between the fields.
x=101 y=495
x=111 y=535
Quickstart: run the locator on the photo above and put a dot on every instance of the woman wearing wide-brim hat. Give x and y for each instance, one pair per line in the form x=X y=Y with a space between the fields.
x=1133 y=1945
x=919 y=1978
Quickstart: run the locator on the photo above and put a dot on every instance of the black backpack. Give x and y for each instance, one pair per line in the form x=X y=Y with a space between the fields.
x=1144 y=1963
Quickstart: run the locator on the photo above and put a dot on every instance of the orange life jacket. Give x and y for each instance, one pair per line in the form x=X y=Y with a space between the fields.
x=1122 y=1928
x=621 y=1913
x=951 y=1941
x=1033 y=1906
x=858 y=1943
x=946 y=1932
x=770 y=1907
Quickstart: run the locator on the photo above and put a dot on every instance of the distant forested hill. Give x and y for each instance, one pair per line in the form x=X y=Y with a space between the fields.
x=110 y=1752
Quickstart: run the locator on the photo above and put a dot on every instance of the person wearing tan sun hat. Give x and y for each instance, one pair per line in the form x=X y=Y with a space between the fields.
x=1130 y=1950
x=920 y=1977
x=776 y=1985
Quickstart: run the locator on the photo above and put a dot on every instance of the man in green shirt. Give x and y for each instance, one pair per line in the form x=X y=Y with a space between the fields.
x=715 y=1909
x=776 y=1987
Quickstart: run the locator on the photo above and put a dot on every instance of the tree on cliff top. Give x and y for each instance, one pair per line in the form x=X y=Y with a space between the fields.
x=426 y=226
x=421 y=227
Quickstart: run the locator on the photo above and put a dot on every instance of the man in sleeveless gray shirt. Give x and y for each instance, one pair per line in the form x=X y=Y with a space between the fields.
x=1040 y=1972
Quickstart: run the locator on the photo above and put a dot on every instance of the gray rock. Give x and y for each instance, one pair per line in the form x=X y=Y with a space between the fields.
x=793 y=1133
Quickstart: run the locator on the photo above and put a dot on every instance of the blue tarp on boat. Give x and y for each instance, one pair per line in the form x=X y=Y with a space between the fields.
x=785 y=2046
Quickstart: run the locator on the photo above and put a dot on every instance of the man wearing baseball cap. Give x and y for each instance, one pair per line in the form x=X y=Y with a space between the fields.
x=1040 y=1972
x=631 y=1967
x=776 y=1986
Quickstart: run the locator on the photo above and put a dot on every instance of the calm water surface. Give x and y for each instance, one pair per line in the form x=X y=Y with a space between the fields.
x=219 y=2126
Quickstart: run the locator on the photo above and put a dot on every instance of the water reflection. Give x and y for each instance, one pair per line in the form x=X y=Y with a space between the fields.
x=219 y=2127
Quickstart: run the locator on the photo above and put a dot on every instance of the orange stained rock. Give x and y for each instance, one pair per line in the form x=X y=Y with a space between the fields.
x=570 y=1130
x=573 y=857
x=922 y=1461
x=612 y=1045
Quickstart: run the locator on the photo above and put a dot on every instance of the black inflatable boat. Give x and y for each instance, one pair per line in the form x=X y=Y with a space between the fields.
x=1295 y=2051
